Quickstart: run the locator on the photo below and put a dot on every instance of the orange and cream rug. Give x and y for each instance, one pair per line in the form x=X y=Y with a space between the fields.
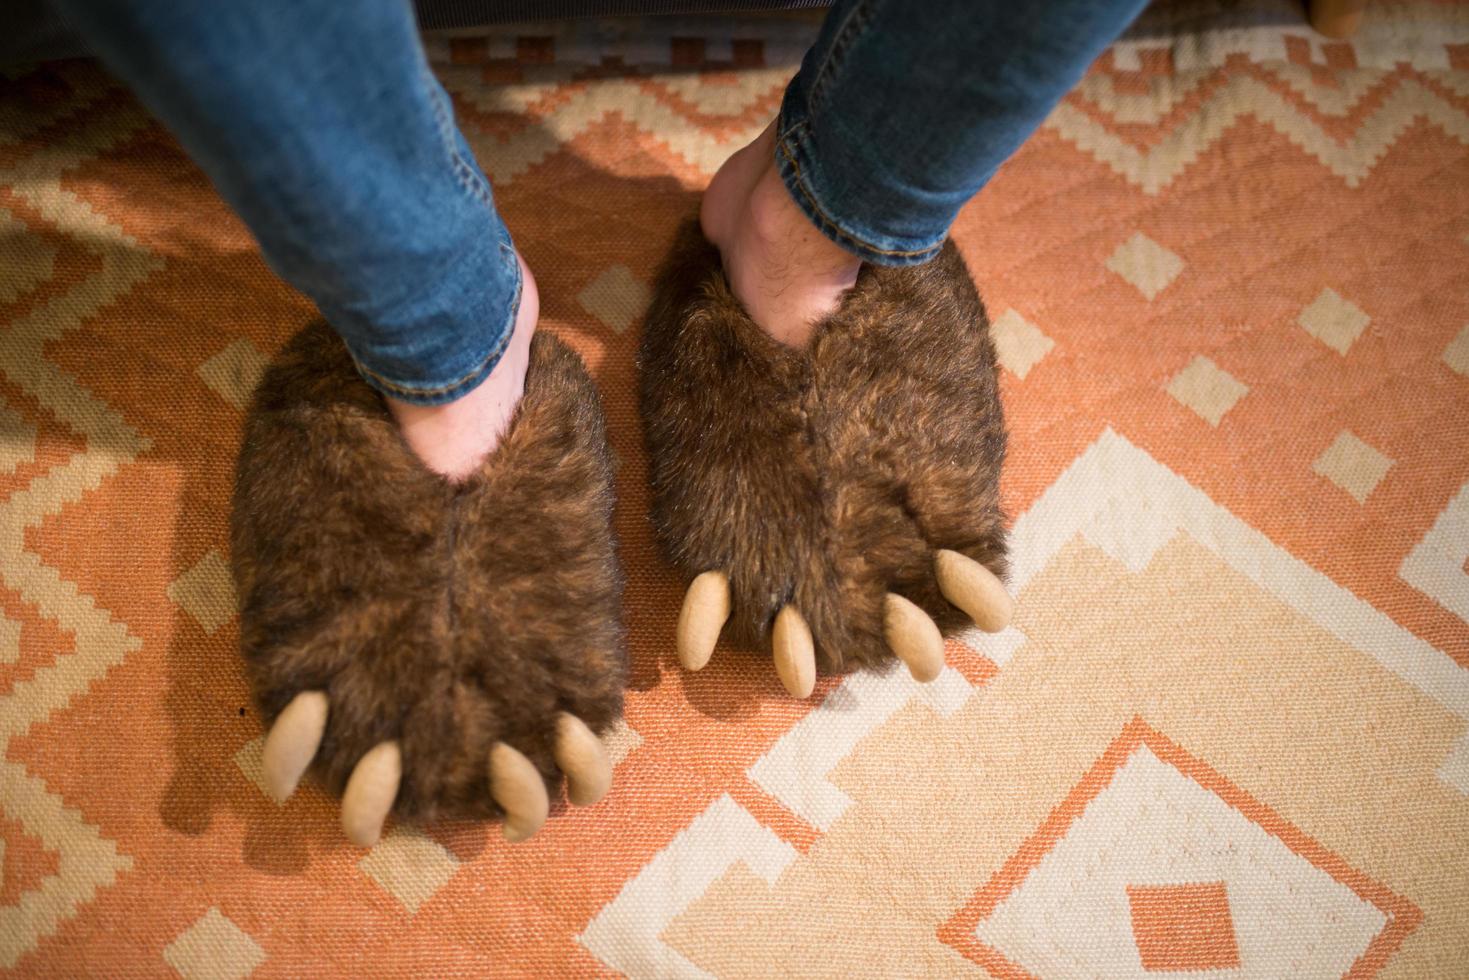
x=1227 y=734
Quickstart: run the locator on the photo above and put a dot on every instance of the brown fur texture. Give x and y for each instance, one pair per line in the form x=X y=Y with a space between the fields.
x=448 y=617
x=828 y=476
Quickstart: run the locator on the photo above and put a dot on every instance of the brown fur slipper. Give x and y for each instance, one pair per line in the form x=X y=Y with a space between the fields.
x=430 y=649
x=843 y=498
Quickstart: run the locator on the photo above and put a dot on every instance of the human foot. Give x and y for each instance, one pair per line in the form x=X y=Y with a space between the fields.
x=785 y=273
x=452 y=439
x=429 y=648
x=842 y=499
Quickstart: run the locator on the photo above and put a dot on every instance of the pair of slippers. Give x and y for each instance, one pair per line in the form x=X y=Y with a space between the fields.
x=454 y=650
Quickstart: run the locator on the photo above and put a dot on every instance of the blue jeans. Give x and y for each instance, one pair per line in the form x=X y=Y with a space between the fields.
x=904 y=109
x=320 y=123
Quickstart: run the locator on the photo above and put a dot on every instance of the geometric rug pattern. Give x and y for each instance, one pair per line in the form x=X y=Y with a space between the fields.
x=1227 y=733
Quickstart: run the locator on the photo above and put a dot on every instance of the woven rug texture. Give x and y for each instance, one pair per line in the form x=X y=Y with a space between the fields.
x=1227 y=734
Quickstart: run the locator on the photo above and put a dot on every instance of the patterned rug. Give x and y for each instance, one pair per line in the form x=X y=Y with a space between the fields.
x=1227 y=735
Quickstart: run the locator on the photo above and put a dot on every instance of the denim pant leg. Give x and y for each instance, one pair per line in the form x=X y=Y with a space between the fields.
x=320 y=123
x=902 y=111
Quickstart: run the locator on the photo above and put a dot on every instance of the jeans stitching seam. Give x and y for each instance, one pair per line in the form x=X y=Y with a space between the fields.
x=468 y=180
x=493 y=355
x=830 y=226
x=836 y=54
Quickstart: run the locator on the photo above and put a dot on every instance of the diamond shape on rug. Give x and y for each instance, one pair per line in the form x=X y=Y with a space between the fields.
x=1334 y=321
x=1353 y=465
x=1157 y=862
x=1183 y=927
x=1145 y=265
x=214 y=948
x=1207 y=389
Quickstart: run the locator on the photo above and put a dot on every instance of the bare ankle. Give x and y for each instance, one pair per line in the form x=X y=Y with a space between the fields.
x=453 y=439
x=783 y=270
x=786 y=234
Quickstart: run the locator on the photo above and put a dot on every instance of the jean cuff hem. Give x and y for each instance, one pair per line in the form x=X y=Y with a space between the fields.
x=431 y=393
x=790 y=149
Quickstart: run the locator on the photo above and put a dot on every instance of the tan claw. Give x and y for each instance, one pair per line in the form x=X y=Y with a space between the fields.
x=516 y=785
x=913 y=638
x=292 y=743
x=705 y=608
x=795 y=653
x=371 y=790
x=975 y=589
x=581 y=755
